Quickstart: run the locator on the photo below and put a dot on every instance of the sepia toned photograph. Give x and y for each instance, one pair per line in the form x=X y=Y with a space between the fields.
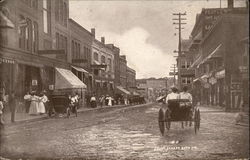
x=124 y=80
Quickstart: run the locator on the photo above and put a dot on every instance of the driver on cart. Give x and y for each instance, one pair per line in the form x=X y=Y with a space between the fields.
x=187 y=96
x=172 y=95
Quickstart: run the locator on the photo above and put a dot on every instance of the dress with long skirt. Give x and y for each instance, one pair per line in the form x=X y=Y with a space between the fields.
x=33 y=105
x=41 y=106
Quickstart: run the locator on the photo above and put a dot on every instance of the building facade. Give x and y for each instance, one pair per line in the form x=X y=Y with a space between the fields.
x=80 y=53
x=131 y=78
x=102 y=68
x=218 y=56
x=123 y=71
x=184 y=61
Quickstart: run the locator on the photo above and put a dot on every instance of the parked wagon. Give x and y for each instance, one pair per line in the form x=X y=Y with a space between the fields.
x=179 y=110
x=62 y=105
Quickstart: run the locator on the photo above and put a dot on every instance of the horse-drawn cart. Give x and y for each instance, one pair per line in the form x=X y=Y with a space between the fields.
x=179 y=110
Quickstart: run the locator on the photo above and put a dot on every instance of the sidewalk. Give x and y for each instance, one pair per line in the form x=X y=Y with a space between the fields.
x=239 y=117
x=25 y=117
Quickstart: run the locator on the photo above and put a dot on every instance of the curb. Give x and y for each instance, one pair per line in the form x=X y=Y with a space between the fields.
x=82 y=111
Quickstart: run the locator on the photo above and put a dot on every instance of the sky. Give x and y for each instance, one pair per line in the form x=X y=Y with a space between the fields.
x=143 y=30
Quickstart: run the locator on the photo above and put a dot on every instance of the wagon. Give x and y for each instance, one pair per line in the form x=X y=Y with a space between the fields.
x=178 y=110
x=61 y=105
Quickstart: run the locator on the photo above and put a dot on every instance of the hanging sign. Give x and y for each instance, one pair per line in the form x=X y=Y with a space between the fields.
x=34 y=82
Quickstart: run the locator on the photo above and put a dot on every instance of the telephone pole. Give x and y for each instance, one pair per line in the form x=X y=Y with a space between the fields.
x=180 y=24
x=173 y=72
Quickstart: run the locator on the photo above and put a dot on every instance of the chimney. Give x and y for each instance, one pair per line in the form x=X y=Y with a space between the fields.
x=230 y=4
x=103 y=40
x=93 y=32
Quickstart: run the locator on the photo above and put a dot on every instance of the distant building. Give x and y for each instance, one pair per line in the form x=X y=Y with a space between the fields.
x=123 y=71
x=131 y=78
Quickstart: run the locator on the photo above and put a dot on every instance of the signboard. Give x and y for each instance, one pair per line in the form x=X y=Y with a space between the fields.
x=51 y=87
x=212 y=80
x=79 y=60
x=243 y=69
x=34 y=82
x=236 y=86
x=173 y=73
x=2 y=60
x=206 y=85
x=220 y=74
x=210 y=17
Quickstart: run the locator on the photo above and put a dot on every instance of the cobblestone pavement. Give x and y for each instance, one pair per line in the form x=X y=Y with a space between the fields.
x=126 y=134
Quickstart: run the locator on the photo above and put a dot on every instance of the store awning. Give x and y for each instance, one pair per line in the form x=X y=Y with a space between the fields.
x=196 y=80
x=98 y=65
x=197 y=61
x=80 y=69
x=215 y=54
x=5 y=22
x=65 y=79
x=123 y=90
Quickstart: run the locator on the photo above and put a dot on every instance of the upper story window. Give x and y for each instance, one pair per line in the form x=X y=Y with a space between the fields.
x=75 y=49
x=61 y=12
x=96 y=56
x=27 y=34
x=61 y=42
x=46 y=16
x=109 y=64
x=185 y=64
x=103 y=59
x=31 y=3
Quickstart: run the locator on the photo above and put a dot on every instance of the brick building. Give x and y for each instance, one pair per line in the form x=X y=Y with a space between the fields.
x=34 y=51
x=80 y=51
x=102 y=67
x=217 y=56
x=131 y=74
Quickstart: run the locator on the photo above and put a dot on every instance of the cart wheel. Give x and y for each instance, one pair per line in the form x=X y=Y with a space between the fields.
x=68 y=112
x=196 y=120
x=161 y=121
x=167 y=119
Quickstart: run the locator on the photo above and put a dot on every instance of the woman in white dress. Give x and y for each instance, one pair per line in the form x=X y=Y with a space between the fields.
x=42 y=100
x=33 y=104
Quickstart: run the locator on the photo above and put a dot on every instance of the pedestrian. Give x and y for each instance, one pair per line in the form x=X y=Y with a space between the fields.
x=93 y=101
x=27 y=101
x=185 y=95
x=173 y=95
x=43 y=99
x=1 y=109
x=33 y=104
x=12 y=105
x=101 y=100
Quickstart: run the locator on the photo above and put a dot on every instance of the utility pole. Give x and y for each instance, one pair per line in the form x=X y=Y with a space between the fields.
x=174 y=69
x=180 y=23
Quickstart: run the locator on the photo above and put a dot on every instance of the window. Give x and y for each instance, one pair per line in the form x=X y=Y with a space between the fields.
x=96 y=56
x=75 y=49
x=61 y=12
x=28 y=35
x=61 y=42
x=109 y=64
x=46 y=16
x=34 y=4
x=35 y=37
x=103 y=60
x=186 y=80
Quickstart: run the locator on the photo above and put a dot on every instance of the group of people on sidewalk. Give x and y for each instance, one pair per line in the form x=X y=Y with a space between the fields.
x=36 y=104
x=102 y=101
